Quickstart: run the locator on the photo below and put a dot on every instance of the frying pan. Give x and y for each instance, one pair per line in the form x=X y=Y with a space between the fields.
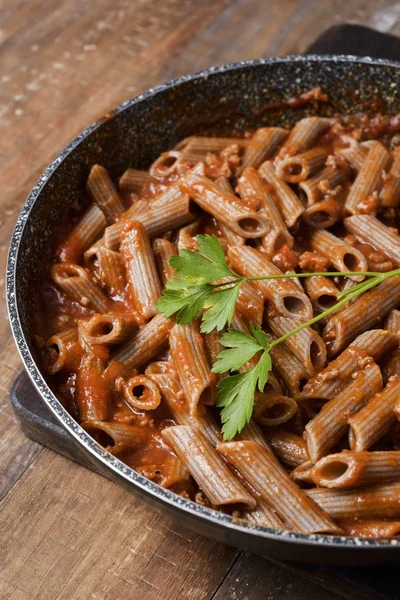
x=241 y=96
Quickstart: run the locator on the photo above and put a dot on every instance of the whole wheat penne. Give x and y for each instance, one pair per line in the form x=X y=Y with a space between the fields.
x=91 y=255
x=190 y=360
x=224 y=207
x=58 y=346
x=133 y=180
x=143 y=347
x=321 y=291
x=375 y=344
x=111 y=270
x=371 y=529
x=389 y=195
x=112 y=233
x=293 y=374
x=203 y=144
x=328 y=426
x=78 y=285
x=206 y=467
x=262 y=145
x=167 y=474
x=392 y=322
x=166 y=164
x=272 y=409
x=302 y=473
x=88 y=229
x=304 y=135
x=104 y=329
x=102 y=191
x=306 y=345
x=251 y=432
x=369 y=180
x=163 y=250
x=266 y=476
x=349 y=469
x=289 y=205
x=322 y=214
x=364 y=313
x=141 y=393
x=323 y=184
x=372 y=231
x=264 y=516
x=140 y=267
x=254 y=190
x=294 y=169
x=341 y=254
x=382 y=501
x=92 y=397
x=283 y=294
x=354 y=152
x=250 y=303
x=125 y=437
x=289 y=447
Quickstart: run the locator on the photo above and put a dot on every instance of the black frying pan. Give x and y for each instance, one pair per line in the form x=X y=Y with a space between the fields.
x=243 y=95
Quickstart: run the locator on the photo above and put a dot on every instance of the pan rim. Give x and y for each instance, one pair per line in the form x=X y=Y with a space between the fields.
x=122 y=471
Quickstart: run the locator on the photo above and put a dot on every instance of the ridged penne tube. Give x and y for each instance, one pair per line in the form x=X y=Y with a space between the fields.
x=125 y=437
x=58 y=348
x=372 y=231
x=350 y=469
x=165 y=377
x=294 y=169
x=141 y=393
x=102 y=191
x=371 y=529
x=328 y=426
x=354 y=152
x=369 y=179
x=389 y=195
x=163 y=250
x=206 y=467
x=226 y=208
x=224 y=184
x=113 y=232
x=271 y=409
x=143 y=347
x=266 y=476
x=341 y=254
x=392 y=323
x=141 y=270
x=88 y=229
x=322 y=214
x=92 y=396
x=133 y=180
x=323 y=183
x=166 y=164
x=250 y=303
x=104 y=329
x=283 y=294
x=321 y=291
x=375 y=344
x=289 y=447
x=77 y=284
x=264 y=516
x=382 y=501
x=304 y=135
x=262 y=145
x=202 y=145
x=169 y=210
x=372 y=422
x=190 y=360
x=306 y=345
x=213 y=348
x=289 y=205
x=111 y=270
x=302 y=473
x=91 y=255
x=252 y=433
x=254 y=190
x=293 y=374
x=364 y=313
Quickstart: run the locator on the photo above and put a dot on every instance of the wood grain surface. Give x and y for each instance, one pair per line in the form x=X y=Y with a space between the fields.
x=67 y=533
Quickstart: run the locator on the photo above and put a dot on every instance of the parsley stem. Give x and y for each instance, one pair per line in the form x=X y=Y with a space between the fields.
x=322 y=274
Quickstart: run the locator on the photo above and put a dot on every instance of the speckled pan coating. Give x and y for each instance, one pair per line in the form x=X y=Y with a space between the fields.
x=133 y=135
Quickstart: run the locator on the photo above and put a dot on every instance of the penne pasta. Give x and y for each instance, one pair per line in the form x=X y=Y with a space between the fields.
x=77 y=284
x=295 y=169
x=286 y=201
x=58 y=350
x=382 y=238
x=289 y=447
x=321 y=291
x=322 y=214
x=271 y=409
x=102 y=191
x=141 y=393
x=111 y=270
x=262 y=145
x=104 y=329
x=88 y=229
x=304 y=135
x=341 y=254
x=133 y=180
x=324 y=184
x=163 y=250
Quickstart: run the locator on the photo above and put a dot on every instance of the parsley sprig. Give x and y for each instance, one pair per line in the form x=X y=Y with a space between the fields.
x=206 y=287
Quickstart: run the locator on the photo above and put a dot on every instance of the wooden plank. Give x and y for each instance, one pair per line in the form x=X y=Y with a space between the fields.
x=69 y=534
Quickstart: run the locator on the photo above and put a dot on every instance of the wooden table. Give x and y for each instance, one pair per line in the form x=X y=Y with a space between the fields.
x=66 y=533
